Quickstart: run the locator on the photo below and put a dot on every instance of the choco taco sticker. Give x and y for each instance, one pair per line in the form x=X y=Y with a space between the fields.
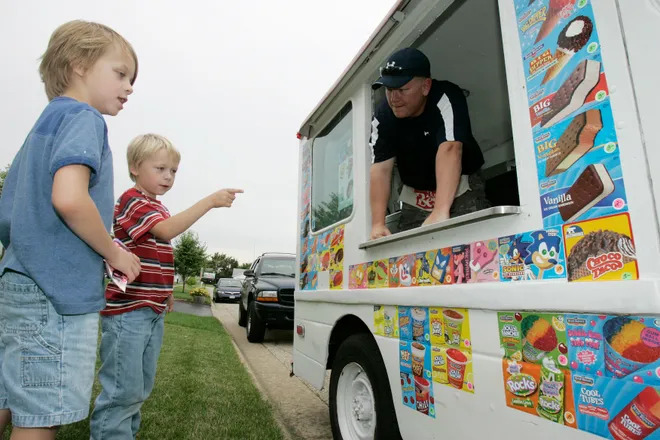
x=601 y=249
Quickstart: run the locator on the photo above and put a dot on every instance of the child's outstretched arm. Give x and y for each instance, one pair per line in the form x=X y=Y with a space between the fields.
x=71 y=200
x=175 y=225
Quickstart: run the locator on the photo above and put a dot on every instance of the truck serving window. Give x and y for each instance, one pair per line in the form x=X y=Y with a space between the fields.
x=475 y=62
x=332 y=171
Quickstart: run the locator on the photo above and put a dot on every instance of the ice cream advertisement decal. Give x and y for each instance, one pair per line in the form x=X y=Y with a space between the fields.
x=434 y=348
x=569 y=111
x=595 y=373
x=575 y=142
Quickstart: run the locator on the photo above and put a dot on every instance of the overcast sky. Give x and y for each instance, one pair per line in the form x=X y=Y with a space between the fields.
x=229 y=82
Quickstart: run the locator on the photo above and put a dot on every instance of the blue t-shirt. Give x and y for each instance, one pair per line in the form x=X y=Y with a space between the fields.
x=38 y=242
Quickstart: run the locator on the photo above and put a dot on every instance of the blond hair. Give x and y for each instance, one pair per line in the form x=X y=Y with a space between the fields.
x=144 y=145
x=77 y=43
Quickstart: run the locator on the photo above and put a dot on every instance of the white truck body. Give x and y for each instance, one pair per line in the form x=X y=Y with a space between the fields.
x=484 y=46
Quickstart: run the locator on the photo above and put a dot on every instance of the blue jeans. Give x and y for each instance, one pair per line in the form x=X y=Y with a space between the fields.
x=46 y=360
x=130 y=345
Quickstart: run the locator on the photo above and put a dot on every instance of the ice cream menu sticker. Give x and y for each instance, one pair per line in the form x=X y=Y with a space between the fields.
x=596 y=373
x=601 y=249
x=575 y=142
x=434 y=347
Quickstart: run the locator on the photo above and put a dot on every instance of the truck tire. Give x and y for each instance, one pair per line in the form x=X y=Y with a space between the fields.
x=361 y=404
x=242 y=314
x=255 y=328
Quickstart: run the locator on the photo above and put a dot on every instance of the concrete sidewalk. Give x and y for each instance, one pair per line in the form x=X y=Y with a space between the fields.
x=301 y=409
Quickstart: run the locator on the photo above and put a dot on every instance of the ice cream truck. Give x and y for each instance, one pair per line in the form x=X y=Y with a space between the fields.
x=538 y=317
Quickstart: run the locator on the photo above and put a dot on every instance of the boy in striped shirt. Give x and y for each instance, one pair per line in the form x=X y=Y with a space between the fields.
x=133 y=321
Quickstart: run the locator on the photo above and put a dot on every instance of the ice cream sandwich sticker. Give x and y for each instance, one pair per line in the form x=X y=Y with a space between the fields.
x=579 y=169
x=600 y=249
x=535 y=255
x=596 y=190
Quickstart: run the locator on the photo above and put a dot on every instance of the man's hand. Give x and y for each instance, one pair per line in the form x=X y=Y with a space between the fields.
x=125 y=262
x=224 y=198
x=170 y=303
x=435 y=217
x=378 y=231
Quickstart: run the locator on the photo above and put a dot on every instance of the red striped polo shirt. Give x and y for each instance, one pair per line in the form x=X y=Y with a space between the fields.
x=135 y=215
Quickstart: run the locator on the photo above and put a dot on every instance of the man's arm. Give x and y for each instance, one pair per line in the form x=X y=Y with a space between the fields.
x=447 y=177
x=71 y=200
x=380 y=178
x=175 y=225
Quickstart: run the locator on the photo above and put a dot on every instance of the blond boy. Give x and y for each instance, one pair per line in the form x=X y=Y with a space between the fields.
x=133 y=321
x=55 y=214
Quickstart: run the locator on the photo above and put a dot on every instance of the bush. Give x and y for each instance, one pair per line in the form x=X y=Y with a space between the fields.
x=198 y=291
x=192 y=281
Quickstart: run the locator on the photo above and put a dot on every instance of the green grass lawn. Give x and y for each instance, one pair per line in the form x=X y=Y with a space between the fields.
x=202 y=390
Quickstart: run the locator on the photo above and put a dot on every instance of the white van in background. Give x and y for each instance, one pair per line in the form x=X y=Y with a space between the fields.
x=536 y=318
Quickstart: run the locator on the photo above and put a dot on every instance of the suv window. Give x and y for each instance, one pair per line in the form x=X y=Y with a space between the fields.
x=229 y=283
x=332 y=171
x=278 y=266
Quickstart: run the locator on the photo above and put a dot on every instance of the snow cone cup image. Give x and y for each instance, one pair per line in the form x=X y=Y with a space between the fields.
x=639 y=419
x=422 y=388
x=456 y=363
x=418 y=320
x=629 y=346
x=539 y=338
x=418 y=355
x=453 y=321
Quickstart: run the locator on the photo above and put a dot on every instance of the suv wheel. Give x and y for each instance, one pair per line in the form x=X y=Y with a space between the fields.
x=255 y=328
x=242 y=314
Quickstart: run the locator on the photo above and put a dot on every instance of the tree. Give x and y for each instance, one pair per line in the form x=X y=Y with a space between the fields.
x=328 y=212
x=222 y=265
x=245 y=266
x=189 y=255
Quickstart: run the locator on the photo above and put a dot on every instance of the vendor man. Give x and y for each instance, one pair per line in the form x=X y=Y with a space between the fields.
x=424 y=125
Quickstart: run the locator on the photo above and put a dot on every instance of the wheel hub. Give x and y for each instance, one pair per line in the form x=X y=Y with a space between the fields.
x=356 y=410
x=362 y=408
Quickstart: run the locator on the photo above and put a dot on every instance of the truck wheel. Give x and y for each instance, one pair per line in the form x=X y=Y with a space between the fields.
x=255 y=328
x=242 y=314
x=361 y=405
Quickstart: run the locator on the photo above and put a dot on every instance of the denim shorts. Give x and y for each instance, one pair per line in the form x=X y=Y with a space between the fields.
x=47 y=360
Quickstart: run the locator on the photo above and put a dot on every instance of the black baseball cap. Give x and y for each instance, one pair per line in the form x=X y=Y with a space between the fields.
x=402 y=66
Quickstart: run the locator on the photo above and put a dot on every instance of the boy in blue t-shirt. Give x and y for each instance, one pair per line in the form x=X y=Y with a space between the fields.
x=55 y=213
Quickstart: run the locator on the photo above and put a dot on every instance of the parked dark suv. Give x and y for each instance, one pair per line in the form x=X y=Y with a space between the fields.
x=267 y=295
